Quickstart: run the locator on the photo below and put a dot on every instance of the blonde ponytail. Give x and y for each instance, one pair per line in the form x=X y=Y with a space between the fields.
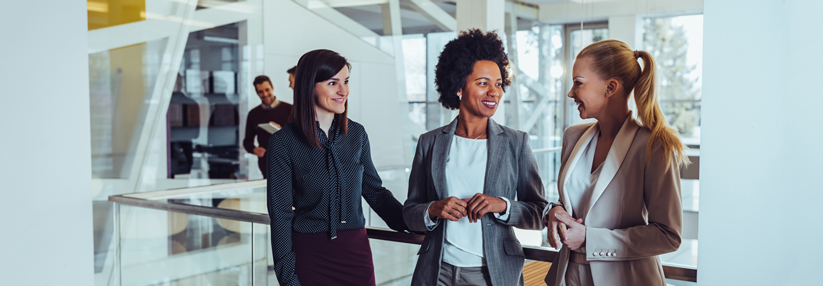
x=614 y=59
x=650 y=114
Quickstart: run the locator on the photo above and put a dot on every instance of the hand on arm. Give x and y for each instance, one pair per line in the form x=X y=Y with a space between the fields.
x=575 y=236
x=554 y=227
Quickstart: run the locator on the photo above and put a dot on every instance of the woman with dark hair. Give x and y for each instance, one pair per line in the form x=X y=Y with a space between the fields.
x=319 y=166
x=473 y=180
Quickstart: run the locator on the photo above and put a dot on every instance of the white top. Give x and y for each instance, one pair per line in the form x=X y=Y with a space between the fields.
x=581 y=182
x=465 y=177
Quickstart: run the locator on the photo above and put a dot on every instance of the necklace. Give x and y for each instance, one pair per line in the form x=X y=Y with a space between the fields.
x=481 y=135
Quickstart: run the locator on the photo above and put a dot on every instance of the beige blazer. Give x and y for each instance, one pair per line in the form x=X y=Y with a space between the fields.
x=635 y=211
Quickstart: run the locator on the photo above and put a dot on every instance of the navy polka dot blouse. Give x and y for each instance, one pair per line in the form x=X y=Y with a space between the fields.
x=324 y=186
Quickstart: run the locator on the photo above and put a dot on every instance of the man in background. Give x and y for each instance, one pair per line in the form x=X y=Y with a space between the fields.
x=291 y=72
x=263 y=120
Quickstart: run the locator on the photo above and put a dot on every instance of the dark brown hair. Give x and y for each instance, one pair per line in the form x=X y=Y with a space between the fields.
x=292 y=70
x=313 y=67
x=260 y=79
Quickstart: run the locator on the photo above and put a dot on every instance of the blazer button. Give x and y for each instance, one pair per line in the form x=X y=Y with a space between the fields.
x=614 y=254
x=601 y=253
x=594 y=253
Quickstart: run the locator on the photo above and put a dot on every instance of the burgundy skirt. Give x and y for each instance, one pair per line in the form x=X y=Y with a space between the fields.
x=346 y=260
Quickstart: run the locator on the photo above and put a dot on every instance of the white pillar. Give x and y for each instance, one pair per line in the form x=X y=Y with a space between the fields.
x=45 y=179
x=760 y=187
x=628 y=29
x=486 y=15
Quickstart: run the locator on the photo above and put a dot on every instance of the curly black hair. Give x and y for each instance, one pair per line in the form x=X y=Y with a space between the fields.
x=457 y=60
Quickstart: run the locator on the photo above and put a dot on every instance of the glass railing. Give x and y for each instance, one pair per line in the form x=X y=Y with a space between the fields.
x=218 y=235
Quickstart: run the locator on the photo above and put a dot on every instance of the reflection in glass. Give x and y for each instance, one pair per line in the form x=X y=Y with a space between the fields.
x=120 y=82
x=167 y=248
x=204 y=113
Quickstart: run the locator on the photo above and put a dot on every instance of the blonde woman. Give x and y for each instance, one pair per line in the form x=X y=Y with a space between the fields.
x=619 y=181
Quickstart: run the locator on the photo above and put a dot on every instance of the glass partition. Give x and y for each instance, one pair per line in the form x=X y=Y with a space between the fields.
x=677 y=46
x=219 y=235
x=171 y=248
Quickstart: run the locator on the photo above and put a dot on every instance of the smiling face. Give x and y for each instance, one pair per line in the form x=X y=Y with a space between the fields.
x=330 y=95
x=266 y=92
x=588 y=90
x=483 y=90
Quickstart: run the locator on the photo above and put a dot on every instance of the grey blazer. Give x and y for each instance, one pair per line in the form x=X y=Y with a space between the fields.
x=510 y=173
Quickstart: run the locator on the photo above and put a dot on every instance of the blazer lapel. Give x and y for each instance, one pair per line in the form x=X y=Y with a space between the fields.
x=442 y=146
x=614 y=159
x=496 y=144
x=574 y=158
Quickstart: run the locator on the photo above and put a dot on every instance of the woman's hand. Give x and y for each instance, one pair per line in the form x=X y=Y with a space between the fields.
x=481 y=204
x=451 y=208
x=555 y=229
x=575 y=236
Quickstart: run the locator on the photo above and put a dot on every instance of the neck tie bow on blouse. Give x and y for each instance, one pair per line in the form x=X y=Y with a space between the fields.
x=335 y=196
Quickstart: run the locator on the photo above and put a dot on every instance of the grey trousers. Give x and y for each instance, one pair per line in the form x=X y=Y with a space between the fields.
x=451 y=275
x=579 y=275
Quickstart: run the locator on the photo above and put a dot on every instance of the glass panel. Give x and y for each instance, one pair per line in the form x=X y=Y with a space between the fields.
x=436 y=114
x=204 y=116
x=677 y=46
x=414 y=62
x=167 y=248
x=121 y=81
x=105 y=242
x=394 y=262
x=685 y=118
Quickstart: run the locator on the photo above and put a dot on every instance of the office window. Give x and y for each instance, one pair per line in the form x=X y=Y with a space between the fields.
x=677 y=46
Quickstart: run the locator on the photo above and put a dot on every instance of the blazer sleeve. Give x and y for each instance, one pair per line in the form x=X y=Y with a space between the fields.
x=527 y=211
x=280 y=200
x=661 y=192
x=379 y=198
x=417 y=202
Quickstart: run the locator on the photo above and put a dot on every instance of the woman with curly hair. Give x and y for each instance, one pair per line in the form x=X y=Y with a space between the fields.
x=472 y=180
x=619 y=182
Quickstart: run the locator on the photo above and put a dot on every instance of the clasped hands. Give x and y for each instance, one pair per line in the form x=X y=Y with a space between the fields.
x=563 y=228
x=476 y=207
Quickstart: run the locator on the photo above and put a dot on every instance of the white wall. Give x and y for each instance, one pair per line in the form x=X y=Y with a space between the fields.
x=761 y=202
x=373 y=100
x=45 y=177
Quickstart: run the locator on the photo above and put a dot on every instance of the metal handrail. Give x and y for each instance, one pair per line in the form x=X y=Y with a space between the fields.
x=145 y=200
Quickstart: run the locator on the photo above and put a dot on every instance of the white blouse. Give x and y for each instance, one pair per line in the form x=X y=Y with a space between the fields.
x=465 y=177
x=581 y=183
